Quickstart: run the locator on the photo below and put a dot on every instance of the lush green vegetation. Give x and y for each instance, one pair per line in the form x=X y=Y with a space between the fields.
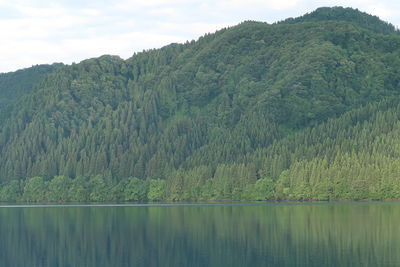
x=305 y=109
x=361 y=19
x=15 y=84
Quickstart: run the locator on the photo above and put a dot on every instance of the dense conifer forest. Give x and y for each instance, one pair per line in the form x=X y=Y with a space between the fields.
x=303 y=109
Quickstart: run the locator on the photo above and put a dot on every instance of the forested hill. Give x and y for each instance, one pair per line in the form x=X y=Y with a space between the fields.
x=15 y=84
x=361 y=19
x=303 y=109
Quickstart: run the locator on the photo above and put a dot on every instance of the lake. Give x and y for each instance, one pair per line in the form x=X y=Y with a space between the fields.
x=345 y=234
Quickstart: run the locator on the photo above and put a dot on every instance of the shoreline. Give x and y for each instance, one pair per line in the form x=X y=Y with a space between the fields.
x=197 y=204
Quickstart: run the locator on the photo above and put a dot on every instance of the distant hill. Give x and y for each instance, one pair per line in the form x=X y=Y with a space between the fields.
x=304 y=109
x=15 y=84
x=361 y=19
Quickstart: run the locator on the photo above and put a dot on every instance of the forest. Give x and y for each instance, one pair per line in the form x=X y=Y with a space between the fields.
x=303 y=109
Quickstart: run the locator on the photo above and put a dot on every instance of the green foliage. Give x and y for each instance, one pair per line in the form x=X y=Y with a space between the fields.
x=58 y=189
x=262 y=190
x=35 y=190
x=99 y=190
x=305 y=109
x=79 y=190
x=13 y=85
x=136 y=190
x=11 y=192
x=156 y=190
x=354 y=16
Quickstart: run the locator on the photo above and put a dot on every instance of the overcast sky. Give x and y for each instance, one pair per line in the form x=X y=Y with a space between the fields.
x=46 y=31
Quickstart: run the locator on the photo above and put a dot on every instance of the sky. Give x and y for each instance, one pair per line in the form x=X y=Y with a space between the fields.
x=46 y=31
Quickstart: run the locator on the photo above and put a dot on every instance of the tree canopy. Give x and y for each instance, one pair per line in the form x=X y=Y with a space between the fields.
x=302 y=109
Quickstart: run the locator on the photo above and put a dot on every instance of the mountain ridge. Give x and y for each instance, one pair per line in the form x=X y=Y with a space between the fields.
x=338 y=13
x=223 y=117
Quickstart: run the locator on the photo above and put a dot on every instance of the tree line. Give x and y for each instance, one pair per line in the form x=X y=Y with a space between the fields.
x=298 y=110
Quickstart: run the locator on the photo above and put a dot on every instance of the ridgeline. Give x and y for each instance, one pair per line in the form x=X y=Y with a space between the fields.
x=303 y=109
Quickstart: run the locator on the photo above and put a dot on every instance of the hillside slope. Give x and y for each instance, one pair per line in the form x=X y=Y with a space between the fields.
x=15 y=84
x=245 y=113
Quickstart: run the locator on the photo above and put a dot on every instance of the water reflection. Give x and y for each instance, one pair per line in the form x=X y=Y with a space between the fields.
x=271 y=235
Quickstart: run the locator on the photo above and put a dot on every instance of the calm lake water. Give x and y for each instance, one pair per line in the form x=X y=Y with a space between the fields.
x=351 y=234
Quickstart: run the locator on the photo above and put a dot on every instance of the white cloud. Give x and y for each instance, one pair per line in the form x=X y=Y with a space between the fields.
x=166 y=11
x=271 y=4
x=384 y=12
x=91 y=12
x=129 y=5
x=29 y=11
